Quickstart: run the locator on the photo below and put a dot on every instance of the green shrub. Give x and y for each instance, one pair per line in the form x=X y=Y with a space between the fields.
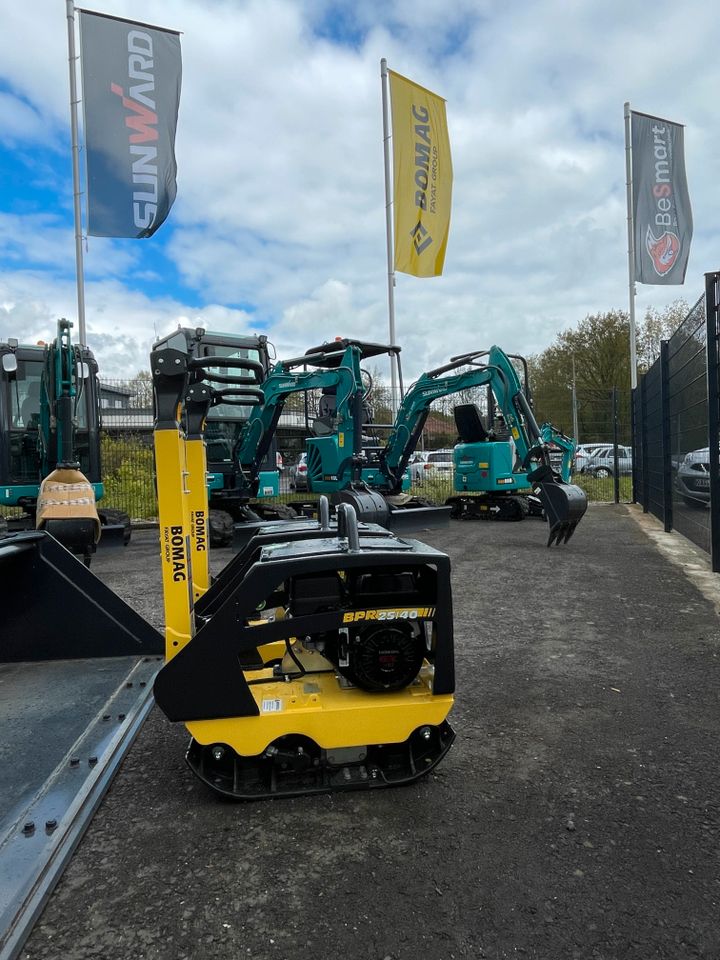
x=128 y=472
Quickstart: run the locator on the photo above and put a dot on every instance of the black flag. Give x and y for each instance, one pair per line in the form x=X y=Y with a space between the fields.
x=661 y=204
x=131 y=76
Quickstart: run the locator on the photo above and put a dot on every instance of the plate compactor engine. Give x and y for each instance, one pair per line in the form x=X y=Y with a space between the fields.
x=379 y=647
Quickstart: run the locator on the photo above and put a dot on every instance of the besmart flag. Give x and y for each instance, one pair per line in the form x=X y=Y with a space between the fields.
x=422 y=178
x=662 y=217
x=131 y=75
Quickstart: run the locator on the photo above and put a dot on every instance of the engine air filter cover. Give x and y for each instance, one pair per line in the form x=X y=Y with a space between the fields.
x=385 y=657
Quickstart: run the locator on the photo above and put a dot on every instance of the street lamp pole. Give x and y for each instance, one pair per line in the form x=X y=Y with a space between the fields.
x=574 y=406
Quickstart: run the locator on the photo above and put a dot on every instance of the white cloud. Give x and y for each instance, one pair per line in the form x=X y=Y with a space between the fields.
x=121 y=324
x=19 y=122
x=280 y=179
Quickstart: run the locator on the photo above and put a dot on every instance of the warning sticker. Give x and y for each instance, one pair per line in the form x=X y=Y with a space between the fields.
x=271 y=706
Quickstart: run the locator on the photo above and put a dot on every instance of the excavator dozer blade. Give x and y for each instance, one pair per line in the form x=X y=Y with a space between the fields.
x=113 y=535
x=54 y=608
x=115 y=530
x=564 y=504
x=400 y=513
x=417 y=517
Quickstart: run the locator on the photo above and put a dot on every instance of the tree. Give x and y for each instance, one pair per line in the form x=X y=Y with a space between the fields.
x=378 y=396
x=141 y=397
x=657 y=326
x=596 y=354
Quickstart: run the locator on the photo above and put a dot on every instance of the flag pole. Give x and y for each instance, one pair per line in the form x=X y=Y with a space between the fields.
x=631 y=246
x=79 y=272
x=389 y=234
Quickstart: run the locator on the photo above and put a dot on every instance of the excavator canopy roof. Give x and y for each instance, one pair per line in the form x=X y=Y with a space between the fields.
x=330 y=354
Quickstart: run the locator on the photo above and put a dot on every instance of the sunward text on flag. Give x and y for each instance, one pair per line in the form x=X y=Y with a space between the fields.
x=422 y=178
x=131 y=74
x=662 y=216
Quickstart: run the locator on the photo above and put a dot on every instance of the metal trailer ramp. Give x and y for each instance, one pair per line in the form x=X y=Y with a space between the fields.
x=76 y=671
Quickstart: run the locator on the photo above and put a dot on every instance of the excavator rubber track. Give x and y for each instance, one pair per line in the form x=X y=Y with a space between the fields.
x=510 y=507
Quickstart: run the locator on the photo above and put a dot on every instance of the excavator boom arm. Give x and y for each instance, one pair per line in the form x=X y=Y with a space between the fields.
x=281 y=383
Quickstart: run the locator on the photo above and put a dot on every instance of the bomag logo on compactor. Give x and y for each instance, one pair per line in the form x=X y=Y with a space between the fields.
x=389 y=613
x=174 y=552
x=198 y=519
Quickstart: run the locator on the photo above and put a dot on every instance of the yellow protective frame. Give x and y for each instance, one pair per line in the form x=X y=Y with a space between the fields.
x=176 y=554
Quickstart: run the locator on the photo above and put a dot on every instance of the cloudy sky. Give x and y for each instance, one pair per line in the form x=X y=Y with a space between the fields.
x=279 y=222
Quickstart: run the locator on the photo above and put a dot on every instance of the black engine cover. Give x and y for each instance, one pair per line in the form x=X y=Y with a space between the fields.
x=384 y=657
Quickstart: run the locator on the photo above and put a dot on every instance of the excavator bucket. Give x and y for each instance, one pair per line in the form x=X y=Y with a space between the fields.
x=564 y=503
x=77 y=666
x=55 y=609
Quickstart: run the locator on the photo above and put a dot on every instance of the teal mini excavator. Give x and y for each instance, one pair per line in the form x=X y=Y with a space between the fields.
x=490 y=475
x=50 y=444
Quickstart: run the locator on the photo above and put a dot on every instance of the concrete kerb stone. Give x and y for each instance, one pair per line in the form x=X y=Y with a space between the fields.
x=691 y=560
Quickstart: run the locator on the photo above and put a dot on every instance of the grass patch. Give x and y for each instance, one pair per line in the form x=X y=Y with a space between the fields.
x=602 y=489
x=598 y=490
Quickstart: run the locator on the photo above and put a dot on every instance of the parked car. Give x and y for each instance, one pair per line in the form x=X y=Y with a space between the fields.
x=298 y=474
x=438 y=463
x=416 y=466
x=584 y=452
x=692 y=480
x=602 y=462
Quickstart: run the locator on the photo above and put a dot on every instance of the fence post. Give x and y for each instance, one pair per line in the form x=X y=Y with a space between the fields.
x=643 y=420
x=665 y=439
x=712 y=282
x=616 y=461
x=634 y=441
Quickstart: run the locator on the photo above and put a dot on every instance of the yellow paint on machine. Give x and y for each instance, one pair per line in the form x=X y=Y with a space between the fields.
x=198 y=510
x=175 y=553
x=318 y=707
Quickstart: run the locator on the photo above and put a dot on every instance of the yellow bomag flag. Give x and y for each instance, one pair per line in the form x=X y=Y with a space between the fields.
x=422 y=178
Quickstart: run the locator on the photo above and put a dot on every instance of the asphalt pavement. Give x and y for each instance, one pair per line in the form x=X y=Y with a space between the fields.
x=577 y=815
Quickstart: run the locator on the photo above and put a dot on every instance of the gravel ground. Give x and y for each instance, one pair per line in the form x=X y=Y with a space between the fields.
x=575 y=817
